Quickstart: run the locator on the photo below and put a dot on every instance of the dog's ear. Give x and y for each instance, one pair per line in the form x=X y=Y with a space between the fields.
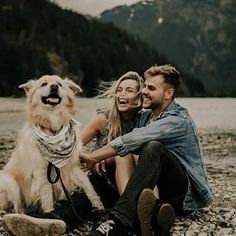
x=27 y=86
x=73 y=86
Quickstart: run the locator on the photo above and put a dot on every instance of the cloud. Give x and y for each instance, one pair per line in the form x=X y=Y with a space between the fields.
x=92 y=7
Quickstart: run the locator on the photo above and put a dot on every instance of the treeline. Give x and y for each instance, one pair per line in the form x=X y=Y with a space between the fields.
x=37 y=37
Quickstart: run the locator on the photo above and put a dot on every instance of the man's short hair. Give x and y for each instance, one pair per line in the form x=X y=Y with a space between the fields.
x=170 y=74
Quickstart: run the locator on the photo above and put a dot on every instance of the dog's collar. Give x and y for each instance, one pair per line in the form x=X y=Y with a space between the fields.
x=49 y=131
x=57 y=149
x=54 y=132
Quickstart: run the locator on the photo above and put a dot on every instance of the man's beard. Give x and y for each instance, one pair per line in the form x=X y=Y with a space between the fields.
x=157 y=104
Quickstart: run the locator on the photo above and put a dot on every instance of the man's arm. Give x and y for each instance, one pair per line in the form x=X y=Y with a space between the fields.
x=167 y=129
x=170 y=127
x=98 y=155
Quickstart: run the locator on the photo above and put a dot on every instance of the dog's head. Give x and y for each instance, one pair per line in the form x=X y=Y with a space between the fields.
x=50 y=93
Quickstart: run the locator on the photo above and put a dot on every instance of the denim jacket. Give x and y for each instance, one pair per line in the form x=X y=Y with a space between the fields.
x=175 y=129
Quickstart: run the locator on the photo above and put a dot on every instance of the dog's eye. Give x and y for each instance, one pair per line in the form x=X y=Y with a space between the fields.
x=43 y=84
x=59 y=84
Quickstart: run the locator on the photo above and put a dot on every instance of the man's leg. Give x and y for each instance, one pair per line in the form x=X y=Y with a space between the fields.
x=173 y=183
x=172 y=187
x=146 y=175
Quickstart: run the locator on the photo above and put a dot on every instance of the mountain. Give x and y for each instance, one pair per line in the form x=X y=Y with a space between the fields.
x=198 y=35
x=37 y=37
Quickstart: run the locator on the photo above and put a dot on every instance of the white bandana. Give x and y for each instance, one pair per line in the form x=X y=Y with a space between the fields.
x=59 y=148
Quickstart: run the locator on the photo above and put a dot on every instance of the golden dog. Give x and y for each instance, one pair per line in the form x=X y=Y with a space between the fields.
x=50 y=134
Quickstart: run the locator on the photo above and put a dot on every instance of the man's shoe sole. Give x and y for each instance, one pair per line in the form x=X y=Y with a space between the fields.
x=24 y=225
x=145 y=209
x=165 y=218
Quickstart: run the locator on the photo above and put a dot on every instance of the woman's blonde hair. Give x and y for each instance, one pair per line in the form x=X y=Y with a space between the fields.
x=116 y=126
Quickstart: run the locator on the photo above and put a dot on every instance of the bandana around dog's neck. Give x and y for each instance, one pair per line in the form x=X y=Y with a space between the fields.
x=59 y=148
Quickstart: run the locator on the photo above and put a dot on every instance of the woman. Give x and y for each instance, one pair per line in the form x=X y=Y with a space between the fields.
x=119 y=119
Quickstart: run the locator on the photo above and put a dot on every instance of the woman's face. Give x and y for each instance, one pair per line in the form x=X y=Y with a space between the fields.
x=127 y=97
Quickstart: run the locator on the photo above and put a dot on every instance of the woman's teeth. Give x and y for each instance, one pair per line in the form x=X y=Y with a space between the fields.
x=123 y=101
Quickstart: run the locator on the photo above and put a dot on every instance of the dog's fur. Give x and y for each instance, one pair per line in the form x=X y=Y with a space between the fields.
x=23 y=181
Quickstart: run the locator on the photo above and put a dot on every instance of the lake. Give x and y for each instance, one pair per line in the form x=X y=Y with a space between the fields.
x=208 y=113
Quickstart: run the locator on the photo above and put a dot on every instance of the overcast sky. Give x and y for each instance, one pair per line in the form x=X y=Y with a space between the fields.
x=92 y=7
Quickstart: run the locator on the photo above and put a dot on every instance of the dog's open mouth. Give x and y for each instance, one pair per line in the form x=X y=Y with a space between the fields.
x=52 y=99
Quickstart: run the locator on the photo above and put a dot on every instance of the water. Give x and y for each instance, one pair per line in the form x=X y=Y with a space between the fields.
x=211 y=113
x=208 y=113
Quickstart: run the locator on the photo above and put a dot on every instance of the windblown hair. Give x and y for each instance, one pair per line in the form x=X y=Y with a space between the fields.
x=116 y=126
x=170 y=74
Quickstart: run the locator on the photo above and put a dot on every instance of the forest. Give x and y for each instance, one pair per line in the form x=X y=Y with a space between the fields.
x=37 y=37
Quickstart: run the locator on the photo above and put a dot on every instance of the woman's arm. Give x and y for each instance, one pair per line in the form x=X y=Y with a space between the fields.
x=93 y=128
x=90 y=131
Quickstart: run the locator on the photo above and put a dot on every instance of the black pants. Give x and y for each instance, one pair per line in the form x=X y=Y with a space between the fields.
x=157 y=166
x=83 y=207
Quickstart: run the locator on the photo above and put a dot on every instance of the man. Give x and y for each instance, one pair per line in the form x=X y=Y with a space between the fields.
x=170 y=157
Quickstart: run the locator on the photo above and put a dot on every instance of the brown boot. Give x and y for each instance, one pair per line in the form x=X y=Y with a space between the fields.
x=145 y=210
x=165 y=218
x=148 y=207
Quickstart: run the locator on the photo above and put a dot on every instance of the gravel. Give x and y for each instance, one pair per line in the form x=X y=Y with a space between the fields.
x=219 y=148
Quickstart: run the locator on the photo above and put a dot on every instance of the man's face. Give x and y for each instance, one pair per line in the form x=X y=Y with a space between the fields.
x=155 y=94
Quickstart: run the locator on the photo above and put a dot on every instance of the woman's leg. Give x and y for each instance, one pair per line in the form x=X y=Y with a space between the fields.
x=124 y=169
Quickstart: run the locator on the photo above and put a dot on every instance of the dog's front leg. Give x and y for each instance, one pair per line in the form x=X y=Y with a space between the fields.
x=46 y=197
x=45 y=193
x=82 y=180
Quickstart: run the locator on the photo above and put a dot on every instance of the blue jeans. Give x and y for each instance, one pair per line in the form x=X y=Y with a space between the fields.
x=157 y=166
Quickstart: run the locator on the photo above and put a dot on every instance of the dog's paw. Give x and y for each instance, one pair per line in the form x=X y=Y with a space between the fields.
x=19 y=210
x=98 y=204
x=47 y=207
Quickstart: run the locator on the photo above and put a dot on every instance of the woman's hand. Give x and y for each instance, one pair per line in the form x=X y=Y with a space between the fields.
x=98 y=156
x=90 y=164
x=85 y=158
x=98 y=167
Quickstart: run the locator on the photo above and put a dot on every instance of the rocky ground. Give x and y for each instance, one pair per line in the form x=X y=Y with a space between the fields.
x=219 y=149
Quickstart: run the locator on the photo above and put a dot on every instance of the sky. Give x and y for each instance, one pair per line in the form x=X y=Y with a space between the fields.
x=92 y=7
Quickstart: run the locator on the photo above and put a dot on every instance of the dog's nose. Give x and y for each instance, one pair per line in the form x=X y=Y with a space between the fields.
x=54 y=87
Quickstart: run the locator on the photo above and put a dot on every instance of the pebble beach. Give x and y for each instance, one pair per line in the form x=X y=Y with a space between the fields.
x=219 y=148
